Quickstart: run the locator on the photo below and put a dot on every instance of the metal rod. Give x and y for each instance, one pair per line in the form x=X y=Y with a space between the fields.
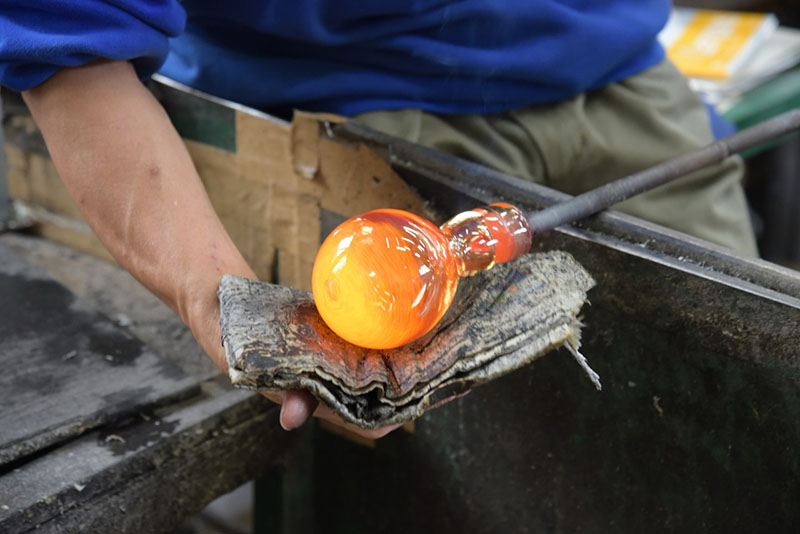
x=611 y=193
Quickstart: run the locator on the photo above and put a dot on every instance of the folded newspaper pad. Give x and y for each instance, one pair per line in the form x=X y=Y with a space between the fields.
x=501 y=320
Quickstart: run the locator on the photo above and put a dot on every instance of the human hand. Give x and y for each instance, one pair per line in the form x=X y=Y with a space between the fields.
x=297 y=406
x=133 y=179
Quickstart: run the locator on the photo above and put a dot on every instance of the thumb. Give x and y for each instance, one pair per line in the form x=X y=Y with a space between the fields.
x=296 y=409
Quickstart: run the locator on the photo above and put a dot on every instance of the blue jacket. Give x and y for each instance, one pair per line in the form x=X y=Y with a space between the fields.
x=345 y=56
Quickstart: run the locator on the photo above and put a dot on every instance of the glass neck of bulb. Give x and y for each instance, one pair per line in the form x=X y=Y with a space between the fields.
x=481 y=237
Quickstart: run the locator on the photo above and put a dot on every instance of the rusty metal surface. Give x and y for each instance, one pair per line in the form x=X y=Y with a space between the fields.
x=696 y=430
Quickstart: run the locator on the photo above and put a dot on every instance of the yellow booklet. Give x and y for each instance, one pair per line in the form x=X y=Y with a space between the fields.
x=711 y=43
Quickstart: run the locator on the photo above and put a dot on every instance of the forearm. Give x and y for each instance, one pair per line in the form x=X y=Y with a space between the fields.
x=130 y=174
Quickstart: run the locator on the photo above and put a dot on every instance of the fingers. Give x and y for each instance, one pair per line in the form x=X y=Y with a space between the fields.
x=323 y=412
x=274 y=396
x=297 y=407
x=377 y=433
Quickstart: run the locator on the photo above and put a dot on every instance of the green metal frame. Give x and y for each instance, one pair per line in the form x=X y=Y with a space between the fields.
x=771 y=98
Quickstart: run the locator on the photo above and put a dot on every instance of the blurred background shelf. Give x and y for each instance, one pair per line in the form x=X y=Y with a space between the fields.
x=773 y=170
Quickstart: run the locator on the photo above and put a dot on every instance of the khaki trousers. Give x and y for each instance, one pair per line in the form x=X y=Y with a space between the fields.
x=597 y=137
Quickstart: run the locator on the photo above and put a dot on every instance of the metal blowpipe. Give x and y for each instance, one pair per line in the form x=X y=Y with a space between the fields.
x=385 y=278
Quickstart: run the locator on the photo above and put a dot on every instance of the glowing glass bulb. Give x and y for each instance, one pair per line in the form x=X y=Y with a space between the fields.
x=385 y=278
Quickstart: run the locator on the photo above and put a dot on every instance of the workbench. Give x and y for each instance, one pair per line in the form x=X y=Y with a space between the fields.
x=100 y=432
x=696 y=429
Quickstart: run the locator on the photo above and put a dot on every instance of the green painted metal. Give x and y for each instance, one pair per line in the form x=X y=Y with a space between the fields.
x=198 y=118
x=771 y=98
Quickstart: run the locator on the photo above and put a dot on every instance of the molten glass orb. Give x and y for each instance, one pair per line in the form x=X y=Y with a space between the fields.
x=385 y=278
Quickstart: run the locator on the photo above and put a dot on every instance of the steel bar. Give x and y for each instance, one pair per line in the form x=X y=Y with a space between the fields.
x=607 y=195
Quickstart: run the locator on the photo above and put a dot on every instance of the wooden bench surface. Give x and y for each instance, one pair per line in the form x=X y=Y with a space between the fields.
x=67 y=369
x=99 y=433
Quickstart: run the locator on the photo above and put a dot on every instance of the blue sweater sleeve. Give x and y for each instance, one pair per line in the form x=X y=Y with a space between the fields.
x=37 y=38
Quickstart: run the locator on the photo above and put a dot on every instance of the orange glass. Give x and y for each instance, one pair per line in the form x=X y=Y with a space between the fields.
x=385 y=278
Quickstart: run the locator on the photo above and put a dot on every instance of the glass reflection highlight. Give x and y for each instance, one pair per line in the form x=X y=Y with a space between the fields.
x=385 y=278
